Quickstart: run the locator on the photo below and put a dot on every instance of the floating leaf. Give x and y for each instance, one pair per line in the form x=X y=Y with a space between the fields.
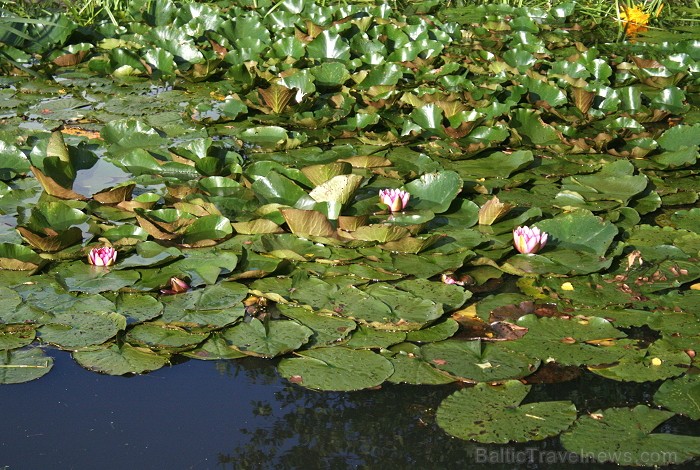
x=23 y=365
x=624 y=436
x=680 y=395
x=268 y=339
x=478 y=361
x=494 y=414
x=336 y=369
x=120 y=360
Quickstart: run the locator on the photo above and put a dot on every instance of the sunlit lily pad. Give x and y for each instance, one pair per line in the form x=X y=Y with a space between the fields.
x=120 y=360
x=16 y=336
x=625 y=436
x=478 y=361
x=494 y=414
x=163 y=337
x=336 y=369
x=327 y=328
x=680 y=395
x=658 y=362
x=411 y=368
x=268 y=339
x=78 y=330
x=23 y=365
x=571 y=341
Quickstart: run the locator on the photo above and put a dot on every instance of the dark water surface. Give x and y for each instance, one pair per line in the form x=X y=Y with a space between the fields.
x=241 y=415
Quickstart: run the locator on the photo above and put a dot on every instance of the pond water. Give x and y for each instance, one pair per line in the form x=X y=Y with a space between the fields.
x=241 y=414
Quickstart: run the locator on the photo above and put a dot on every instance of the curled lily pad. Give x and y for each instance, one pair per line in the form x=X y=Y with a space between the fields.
x=495 y=414
x=434 y=191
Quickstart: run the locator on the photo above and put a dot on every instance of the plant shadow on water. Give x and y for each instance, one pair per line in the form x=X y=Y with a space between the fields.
x=241 y=415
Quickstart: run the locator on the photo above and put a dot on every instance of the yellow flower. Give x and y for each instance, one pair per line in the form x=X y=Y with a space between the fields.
x=634 y=19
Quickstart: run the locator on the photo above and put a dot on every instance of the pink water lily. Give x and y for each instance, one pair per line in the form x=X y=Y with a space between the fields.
x=396 y=199
x=103 y=256
x=529 y=240
x=177 y=286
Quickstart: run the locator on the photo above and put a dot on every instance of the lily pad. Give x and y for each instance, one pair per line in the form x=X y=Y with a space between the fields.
x=495 y=414
x=336 y=369
x=434 y=191
x=269 y=339
x=78 y=330
x=658 y=362
x=120 y=360
x=625 y=436
x=478 y=361
x=23 y=365
x=571 y=341
x=681 y=395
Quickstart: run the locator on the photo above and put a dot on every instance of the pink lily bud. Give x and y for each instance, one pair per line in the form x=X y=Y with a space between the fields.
x=529 y=240
x=104 y=256
x=396 y=199
x=176 y=286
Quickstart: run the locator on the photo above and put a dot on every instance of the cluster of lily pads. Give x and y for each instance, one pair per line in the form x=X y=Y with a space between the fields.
x=475 y=196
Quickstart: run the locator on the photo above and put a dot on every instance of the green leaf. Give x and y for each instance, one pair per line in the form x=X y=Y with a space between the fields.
x=571 y=341
x=336 y=369
x=269 y=339
x=681 y=395
x=434 y=191
x=579 y=231
x=624 y=436
x=495 y=414
x=478 y=361
x=23 y=365
x=120 y=360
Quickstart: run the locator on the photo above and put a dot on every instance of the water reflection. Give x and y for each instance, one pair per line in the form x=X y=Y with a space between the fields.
x=241 y=415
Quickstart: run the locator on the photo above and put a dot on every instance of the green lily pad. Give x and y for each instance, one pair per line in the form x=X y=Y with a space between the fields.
x=120 y=360
x=138 y=308
x=16 y=336
x=78 y=330
x=82 y=277
x=624 y=436
x=23 y=365
x=328 y=329
x=658 y=362
x=494 y=414
x=579 y=231
x=160 y=336
x=478 y=361
x=410 y=368
x=365 y=337
x=336 y=369
x=269 y=339
x=434 y=191
x=681 y=395
x=214 y=348
x=571 y=341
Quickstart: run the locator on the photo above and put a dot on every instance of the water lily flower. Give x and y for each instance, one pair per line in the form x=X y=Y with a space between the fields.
x=177 y=286
x=103 y=256
x=529 y=240
x=396 y=199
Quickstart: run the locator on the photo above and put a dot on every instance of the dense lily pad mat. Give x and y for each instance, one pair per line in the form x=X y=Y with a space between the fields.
x=233 y=160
